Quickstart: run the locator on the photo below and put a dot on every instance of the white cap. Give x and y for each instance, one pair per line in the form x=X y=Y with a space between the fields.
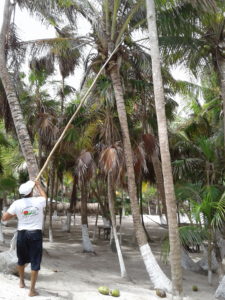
x=26 y=188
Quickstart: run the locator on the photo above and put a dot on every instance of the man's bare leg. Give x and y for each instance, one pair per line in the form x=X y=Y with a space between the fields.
x=21 y=274
x=34 y=275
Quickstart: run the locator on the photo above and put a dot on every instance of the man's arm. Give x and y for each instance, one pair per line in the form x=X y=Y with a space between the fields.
x=7 y=216
x=40 y=189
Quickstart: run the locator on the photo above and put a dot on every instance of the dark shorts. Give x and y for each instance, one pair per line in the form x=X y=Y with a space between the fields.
x=29 y=248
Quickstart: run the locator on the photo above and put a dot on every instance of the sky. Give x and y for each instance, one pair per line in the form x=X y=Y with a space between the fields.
x=30 y=28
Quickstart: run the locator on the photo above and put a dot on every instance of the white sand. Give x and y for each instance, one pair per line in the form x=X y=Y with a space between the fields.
x=68 y=273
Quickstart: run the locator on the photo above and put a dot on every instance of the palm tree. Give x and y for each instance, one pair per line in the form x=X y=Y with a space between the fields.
x=17 y=116
x=176 y=270
x=212 y=207
x=108 y=32
x=84 y=170
x=111 y=161
x=7 y=181
x=199 y=41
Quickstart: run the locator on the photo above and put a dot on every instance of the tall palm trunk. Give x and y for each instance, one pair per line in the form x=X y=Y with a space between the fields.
x=73 y=201
x=159 y=180
x=1 y=232
x=175 y=251
x=46 y=209
x=52 y=180
x=139 y=192
x=221 y=67
x=150 y=147
x=16 y=112
x=113 y=219
x=87 y=245
x=157 y=276
x=63 y=95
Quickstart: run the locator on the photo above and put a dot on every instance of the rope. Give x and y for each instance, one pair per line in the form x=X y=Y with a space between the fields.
x=77 y=110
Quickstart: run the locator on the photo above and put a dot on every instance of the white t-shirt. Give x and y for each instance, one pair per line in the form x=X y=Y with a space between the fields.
x=29 y=212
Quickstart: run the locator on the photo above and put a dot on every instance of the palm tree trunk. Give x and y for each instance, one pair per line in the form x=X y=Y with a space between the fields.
x=221 y=67
x=96 y=223
x=46 y=208
x=139 y=188
x=1 y=231
x=16 y=112
x=73 y=201
x=50 y=204
x=175 y=251
x=62 y=96
x=210 y=239
x=156 y=275
x=113 y=219
x=157 y=166
x=87 y=245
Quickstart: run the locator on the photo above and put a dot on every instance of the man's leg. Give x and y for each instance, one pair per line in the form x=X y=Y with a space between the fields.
x=34 y=275
x=21 y=274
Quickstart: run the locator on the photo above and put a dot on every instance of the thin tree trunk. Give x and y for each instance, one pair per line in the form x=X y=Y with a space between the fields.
x=50 y=204
x=141 y=211
x=210 y=239
x=221 y=67
x=39 y=152
x=16 y=112
x=158 y=278
x=113 y=219
x=157 y=166
x=96 y=223
x=47 y=206
x=73 y=201
x=87 y=245
x=1 y=231
x=2 y=239
x=62 y=95
x=175 y=249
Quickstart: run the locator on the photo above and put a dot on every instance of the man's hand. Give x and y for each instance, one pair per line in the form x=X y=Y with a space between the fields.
x=6 y=216
x=39 y=188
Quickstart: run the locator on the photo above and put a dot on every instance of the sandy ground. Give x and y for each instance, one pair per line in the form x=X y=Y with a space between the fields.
x=68 y=273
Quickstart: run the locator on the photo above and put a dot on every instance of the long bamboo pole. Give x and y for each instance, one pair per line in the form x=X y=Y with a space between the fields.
x=77 y=110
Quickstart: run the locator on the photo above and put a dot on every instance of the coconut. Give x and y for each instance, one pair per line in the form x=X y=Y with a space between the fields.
x=115 y=293
x=104 y=290
x=194 y=288
x=160 y=293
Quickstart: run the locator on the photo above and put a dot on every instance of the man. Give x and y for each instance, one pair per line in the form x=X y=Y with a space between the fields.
x=29 y=211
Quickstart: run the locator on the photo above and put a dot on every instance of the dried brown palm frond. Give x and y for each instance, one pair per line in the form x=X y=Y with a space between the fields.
x=43 y=64
x=68 y=60
x=47 y=129
x=140 y=165
x=112 y=160
x=85 y=166
x=149 y=143
x=67 y=55
x=5 y=112
x=14 y=50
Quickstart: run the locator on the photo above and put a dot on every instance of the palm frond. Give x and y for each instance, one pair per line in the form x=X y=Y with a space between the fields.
x=85 y=166
x=207 y=148
x=111 y=159
x=5 y=112
x=192 y=235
